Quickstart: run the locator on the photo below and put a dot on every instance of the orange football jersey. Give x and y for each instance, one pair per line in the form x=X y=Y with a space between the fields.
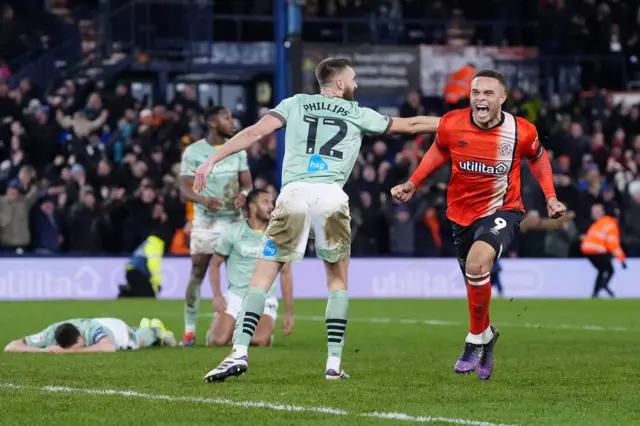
x=485 y=175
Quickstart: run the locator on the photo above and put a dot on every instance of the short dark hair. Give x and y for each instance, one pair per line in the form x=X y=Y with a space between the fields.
x=253 y=195
x=489 y=73
x=212 y=112
x=328 y=68
x=66 y=335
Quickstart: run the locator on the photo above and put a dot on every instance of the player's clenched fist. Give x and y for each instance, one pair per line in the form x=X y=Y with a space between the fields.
x=555 y=208
x=403 y=192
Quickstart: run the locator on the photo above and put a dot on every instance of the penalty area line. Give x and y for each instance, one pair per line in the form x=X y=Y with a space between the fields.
x=250 y=404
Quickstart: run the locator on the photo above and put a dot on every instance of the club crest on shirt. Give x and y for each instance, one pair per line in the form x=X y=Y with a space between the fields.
x=505 y=149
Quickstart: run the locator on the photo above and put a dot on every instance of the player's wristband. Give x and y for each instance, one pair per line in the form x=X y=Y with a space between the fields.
x=245 y=192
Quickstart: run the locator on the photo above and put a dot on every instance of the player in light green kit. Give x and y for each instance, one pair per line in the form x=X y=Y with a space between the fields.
x=322 y=141
x=95 y=335
x=238 y=248
x=214 y=209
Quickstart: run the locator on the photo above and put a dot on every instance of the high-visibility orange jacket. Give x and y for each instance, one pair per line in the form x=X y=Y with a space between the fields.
x=189 y=211
x=458 y=85
x=179 y=244
x=602 y=237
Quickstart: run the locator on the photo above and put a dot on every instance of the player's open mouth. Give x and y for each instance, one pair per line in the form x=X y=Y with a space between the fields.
x=482 y=110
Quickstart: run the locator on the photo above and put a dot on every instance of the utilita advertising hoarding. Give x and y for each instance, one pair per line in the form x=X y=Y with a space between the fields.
x=98 y=278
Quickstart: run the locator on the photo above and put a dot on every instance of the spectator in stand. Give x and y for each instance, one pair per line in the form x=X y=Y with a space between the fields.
x=47 y=227
x=15 y=235
x=111 y=164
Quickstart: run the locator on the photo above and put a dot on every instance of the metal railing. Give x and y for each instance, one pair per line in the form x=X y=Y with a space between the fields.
x=161 y=27
x=43 y=69
x=564 y=75
x=61 y=50
x=181 y=32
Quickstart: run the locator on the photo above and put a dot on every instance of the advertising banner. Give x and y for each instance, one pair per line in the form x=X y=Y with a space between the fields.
x=27 y=278
x=259 y=55
x=380 y=70
x=518 y=64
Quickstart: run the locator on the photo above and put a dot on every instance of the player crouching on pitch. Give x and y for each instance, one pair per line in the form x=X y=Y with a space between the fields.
x=95 y=335
x=239 y=248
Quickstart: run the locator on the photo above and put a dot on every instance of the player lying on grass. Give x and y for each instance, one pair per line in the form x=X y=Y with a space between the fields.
x=239 y=248
x=322 y=141
x=95 y=335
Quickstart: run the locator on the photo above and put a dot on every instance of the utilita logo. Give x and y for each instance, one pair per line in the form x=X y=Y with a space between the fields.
x=478 y=167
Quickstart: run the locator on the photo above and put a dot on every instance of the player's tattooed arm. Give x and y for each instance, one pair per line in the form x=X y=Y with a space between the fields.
x=414 y=125
x=247 y=137
x=240 y=142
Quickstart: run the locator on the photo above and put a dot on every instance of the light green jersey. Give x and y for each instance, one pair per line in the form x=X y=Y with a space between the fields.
x=223 y=181
x=240 y=244
x=323 y=136
x=90 y=330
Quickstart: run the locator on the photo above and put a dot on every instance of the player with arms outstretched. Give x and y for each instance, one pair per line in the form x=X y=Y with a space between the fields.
x=323 y=137
x=214 y=209
x=486 y=146
x=238 y=249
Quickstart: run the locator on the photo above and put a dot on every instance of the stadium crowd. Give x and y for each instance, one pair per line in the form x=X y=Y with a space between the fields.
x=86 y=170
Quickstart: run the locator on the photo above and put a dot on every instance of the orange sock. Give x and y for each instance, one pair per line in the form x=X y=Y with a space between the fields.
x=479 y=299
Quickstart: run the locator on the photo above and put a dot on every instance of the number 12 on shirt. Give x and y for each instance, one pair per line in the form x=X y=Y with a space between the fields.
x=327 y=148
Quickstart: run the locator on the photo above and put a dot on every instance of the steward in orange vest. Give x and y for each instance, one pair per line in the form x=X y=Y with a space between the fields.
x=457 y=91
x=600 y=245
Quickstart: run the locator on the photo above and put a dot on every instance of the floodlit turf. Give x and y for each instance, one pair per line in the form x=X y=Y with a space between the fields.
x=557 y=363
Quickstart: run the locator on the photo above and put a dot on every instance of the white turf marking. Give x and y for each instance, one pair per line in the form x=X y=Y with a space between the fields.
x=454 y=323
x=251 y=404
x=414 y=321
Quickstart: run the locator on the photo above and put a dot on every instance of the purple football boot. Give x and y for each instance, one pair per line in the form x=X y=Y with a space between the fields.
x=469 y=359
x=485 y=367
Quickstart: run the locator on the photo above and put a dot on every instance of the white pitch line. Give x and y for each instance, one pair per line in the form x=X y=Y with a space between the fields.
x=413 y=321
x=251 y=404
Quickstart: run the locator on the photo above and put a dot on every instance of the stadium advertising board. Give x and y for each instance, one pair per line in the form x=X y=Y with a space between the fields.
x=518 y=64
x=27 y=278
x=258 y=55
x=381 y=70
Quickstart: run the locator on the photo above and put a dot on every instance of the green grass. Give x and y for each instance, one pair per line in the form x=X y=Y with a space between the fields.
x=549 y=369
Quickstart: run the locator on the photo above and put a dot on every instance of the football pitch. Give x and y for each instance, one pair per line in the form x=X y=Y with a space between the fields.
x=561 y=362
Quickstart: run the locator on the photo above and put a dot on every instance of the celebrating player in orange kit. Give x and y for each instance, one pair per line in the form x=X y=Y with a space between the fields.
x=486 y=146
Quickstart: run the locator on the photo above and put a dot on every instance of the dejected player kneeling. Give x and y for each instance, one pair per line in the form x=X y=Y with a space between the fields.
x=486 y=146
x=238 y=248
